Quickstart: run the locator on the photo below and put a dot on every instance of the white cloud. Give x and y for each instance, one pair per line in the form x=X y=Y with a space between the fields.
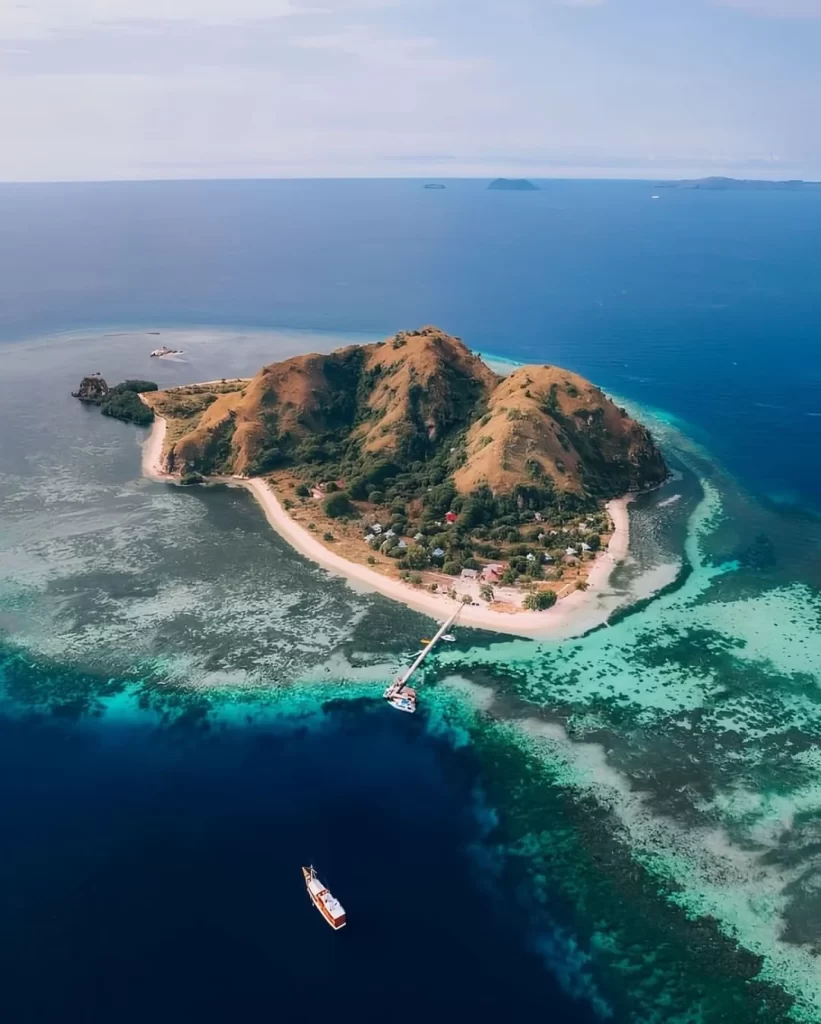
x=417 y=53
x=148 y=88
x=37 y=18
x=777 y=8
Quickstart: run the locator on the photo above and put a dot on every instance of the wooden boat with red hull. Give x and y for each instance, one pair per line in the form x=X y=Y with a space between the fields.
x=327 y=904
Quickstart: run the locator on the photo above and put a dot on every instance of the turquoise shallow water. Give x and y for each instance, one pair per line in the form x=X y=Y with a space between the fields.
x=643 y=800
x=189 y=708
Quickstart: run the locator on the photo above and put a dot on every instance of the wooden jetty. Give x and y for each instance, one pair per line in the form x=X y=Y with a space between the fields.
x=399 y=695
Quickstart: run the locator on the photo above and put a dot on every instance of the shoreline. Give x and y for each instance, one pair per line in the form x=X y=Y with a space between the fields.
x=152 y=450
x=571 y=616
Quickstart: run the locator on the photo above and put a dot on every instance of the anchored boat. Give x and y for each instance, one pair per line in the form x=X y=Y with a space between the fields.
x=401 y=697
x=321 y=897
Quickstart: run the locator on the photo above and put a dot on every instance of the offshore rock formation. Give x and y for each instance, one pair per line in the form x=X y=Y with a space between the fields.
x=122 y=402
x=92 y=389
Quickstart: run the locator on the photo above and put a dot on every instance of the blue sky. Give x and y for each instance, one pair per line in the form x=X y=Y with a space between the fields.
x=97 y=89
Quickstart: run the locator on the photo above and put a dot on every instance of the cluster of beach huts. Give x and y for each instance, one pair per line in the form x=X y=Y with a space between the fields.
x=388 y=540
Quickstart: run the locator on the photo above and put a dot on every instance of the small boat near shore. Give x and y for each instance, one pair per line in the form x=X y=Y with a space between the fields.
x=401 y=697
x=327 y=904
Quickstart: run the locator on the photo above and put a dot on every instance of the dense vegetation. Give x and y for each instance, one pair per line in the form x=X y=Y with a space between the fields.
x=453 y=465
x=540 y=600
x=123 y=402
x=531 y=551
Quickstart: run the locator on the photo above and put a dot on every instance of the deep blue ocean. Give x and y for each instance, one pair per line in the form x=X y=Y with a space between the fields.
x=150 y=855
x=704 y=304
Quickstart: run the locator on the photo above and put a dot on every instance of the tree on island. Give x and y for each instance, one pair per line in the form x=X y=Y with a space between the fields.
x=123 y=402
x=540 y=600
x=416 y=557
x=338 y=505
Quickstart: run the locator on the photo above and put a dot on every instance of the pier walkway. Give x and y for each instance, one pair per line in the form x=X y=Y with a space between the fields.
x=403 y=680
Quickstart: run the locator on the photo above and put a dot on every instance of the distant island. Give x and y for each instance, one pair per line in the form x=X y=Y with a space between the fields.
x=434 y=184
x=123 y=401
x=741 y=185
x=411 y=463
x=513 y=185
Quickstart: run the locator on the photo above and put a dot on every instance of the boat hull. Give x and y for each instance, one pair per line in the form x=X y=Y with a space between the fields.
x=329 y=908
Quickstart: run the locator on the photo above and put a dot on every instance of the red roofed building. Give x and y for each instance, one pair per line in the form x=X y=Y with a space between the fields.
x=450 y=517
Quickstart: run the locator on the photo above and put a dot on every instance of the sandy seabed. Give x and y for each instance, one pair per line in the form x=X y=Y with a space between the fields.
x=574 y=614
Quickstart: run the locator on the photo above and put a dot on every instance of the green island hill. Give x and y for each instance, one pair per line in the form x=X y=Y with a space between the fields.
x=122 y=401
x=412 y=456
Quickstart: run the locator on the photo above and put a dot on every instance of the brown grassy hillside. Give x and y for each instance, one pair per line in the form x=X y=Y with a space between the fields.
x=424 y=385
x=366 y=414
x=397 y=399
x=547 y=423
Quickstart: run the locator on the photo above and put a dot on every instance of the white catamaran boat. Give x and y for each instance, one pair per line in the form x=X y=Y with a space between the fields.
x=328 y=905
x=403 y=698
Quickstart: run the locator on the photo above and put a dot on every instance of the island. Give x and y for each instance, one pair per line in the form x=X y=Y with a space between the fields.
x=122 y=402
x=718 y=184
x=434 y=185
x=513 y=185
x=411 y=465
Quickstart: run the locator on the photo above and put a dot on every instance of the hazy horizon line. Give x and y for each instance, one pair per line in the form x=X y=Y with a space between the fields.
x=184 y=179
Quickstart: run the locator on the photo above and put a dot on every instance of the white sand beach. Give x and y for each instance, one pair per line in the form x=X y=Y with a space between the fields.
x=152 y=450
x=571 y=616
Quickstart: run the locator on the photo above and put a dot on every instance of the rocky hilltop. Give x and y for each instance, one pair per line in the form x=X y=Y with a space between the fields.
x=419 y=404
x=92 y=389
x=545 y=425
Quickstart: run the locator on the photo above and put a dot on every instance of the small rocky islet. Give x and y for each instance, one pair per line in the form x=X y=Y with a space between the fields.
x=122 y=401
x=513 y=185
